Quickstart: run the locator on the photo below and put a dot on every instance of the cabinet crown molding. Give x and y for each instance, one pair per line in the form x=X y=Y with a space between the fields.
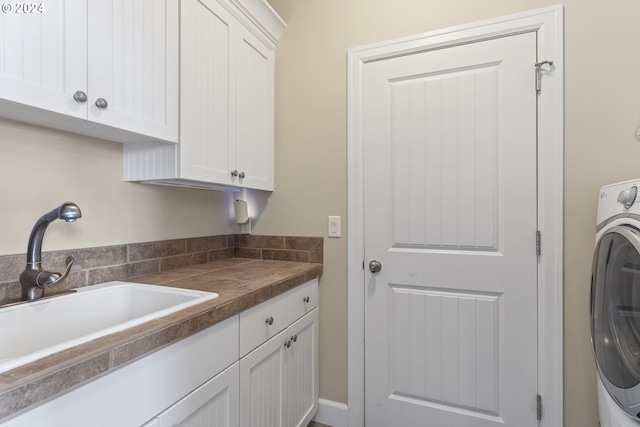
x=260 y=14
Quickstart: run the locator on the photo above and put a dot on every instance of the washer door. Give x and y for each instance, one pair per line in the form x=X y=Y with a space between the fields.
x=615 y=314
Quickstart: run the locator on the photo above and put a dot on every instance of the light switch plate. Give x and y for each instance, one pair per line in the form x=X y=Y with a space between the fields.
x=334 y=226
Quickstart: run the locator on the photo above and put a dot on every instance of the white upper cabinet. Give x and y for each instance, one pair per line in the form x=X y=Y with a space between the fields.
x=254 y=112
x=226 y=101
x=105 y=68
x=133 y=66
x=44 y=57
x=207 y=32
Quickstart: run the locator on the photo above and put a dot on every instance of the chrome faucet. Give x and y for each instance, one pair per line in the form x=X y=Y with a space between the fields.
x=33 y=279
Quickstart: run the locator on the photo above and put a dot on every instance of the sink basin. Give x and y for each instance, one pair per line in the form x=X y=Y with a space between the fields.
x=33 y=330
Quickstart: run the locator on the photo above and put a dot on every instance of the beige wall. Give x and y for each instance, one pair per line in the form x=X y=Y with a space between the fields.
x=40 y=168
x=602 y=110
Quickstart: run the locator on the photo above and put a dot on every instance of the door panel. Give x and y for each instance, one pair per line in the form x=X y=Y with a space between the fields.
x=453 y=206
x=450 y=211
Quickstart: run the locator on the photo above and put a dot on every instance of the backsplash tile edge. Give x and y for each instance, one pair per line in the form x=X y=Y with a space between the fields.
x=122 y=262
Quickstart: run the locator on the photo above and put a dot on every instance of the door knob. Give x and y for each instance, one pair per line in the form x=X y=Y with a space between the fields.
x=375 y=266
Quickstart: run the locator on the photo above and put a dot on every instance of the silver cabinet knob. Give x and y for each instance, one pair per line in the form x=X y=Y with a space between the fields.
x=101 y=103
x=241 y=175
x=375 y=266
x=269 y=321
x=80 y=97
x=234 y=173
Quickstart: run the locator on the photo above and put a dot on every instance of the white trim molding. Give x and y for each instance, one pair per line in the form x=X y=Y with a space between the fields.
x=548 y=24
x=332 y=413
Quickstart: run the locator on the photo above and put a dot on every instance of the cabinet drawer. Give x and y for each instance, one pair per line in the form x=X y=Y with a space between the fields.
x=261 y=322
x=302 y=300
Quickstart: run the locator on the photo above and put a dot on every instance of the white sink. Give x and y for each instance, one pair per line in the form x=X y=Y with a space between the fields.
x=33 y=330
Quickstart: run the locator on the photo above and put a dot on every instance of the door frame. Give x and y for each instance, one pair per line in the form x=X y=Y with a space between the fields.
x=548 y=23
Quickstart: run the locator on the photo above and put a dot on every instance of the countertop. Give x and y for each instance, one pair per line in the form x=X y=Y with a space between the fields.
x=240 y=282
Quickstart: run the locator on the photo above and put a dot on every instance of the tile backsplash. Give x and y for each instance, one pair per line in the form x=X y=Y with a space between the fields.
x=121 y=262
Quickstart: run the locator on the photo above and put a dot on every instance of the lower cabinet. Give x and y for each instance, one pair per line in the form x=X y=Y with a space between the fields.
x=279 y=379
x=213 y=404
x=139 y=391
x=258 y=368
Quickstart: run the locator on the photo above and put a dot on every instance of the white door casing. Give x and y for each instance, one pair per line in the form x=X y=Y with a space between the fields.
x=546 y=25
x=450 y=212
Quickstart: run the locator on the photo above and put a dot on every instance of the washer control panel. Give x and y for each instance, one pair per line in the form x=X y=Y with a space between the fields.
x=619 y=198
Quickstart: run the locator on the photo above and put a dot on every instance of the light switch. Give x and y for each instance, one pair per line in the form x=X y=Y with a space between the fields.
x=334 y=226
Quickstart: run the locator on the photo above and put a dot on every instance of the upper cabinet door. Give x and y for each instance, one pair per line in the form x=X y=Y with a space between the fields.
x=133 y=66
x=254 y=111
x=205 y=98
x=43 y=56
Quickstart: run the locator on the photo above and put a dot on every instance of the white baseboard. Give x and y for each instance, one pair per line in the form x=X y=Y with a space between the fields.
x=332 y=413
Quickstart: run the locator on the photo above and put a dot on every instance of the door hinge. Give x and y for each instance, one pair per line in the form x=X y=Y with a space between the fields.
x=538 y=242
x=539 y=407
x=539 y=73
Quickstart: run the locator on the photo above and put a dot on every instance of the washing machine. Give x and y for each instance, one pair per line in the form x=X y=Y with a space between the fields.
x=615 y=304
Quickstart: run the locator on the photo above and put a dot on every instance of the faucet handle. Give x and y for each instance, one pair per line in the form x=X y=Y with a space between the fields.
x=69 y=261
x=53 y=278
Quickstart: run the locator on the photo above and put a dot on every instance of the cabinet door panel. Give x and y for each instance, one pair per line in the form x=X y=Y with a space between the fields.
x=205 y=97
x=43 y=57
x=133 y=65
x=214 y=404
x=263 y=384
x=254 y=112
x=302 y=374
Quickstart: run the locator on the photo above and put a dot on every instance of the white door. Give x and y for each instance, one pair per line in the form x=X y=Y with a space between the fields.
x=450 y=213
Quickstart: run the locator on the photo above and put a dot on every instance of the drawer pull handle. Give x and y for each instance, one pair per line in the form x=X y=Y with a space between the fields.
x=269 y=321
x=294 y=338
x=287 y=343
x=305 y=299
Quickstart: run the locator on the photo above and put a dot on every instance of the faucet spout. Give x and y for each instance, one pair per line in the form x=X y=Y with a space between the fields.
x=67 y=211
x=33 y=279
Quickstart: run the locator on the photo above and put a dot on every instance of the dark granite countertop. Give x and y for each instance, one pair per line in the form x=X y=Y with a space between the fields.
x=240 y=282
